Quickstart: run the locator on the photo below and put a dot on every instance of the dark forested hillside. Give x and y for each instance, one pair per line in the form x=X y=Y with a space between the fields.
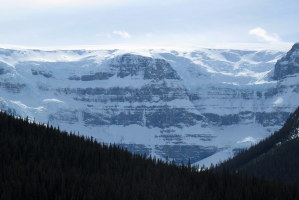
x=41 y=162
x=276 y=157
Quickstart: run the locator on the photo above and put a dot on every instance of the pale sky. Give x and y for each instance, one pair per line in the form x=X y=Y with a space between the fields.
x=147 y=23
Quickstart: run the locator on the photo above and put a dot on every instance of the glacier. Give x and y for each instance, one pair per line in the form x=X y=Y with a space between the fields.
x=204 y=105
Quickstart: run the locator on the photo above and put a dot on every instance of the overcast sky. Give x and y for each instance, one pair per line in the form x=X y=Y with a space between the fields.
x=148 y=23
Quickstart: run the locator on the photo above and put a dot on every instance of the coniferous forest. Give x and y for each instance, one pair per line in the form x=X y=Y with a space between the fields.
x=41 y=162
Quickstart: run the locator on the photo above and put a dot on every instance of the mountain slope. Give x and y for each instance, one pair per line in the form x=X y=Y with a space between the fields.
x=288 y=65
x=175 y=105
x=275 y=157
x=39 y=162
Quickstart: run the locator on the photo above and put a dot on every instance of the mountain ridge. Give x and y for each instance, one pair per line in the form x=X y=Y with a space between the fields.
x=154 y=102
x=288 y=65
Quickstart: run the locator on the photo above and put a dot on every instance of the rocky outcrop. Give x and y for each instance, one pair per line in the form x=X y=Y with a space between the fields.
x=148 y=68
x=41 y=72
x=147 y=93
x=288 y=65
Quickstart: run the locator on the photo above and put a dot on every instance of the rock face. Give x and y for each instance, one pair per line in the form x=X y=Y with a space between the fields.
x=288 y=65
x=200 y=105
x=148 y=68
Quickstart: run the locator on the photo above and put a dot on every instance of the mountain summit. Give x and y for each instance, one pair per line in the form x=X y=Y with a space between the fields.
x=288 y=65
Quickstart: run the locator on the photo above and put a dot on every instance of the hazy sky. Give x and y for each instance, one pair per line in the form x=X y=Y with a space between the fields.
x=147 y=23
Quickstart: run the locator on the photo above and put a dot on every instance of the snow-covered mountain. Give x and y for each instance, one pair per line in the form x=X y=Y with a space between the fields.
x=204 y=105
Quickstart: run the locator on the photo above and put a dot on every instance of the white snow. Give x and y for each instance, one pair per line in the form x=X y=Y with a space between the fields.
x=218 y=157
x=248 y=139
x=52 y=101
x=278 y=101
